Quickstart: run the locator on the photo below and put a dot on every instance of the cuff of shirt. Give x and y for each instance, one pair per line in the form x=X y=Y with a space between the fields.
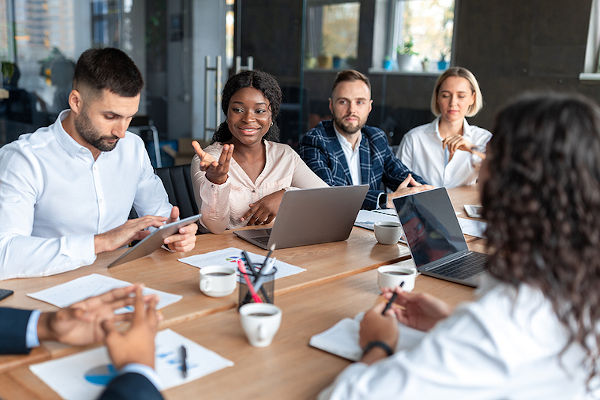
x=31 y=336
x=80 y=248
x=145 y=370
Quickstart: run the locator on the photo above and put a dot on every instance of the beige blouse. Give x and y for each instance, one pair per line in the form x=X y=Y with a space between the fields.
x=222 y=206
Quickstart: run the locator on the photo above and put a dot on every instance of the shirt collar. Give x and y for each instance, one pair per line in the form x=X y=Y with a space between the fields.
x=466 y=128
x=66 y=141
x=345 y=143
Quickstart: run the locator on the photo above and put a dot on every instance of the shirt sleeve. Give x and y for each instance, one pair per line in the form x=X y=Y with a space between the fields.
x=212 y=199
x=23 y=255
x=405 y=152
x=395 y=171
x=304 y=177
x=31 y=336
x=455 y=359
x=151 y=197
x=144 y=370
x=316 y=157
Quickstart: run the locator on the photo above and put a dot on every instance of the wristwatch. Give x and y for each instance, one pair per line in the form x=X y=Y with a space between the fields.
x=378 y=343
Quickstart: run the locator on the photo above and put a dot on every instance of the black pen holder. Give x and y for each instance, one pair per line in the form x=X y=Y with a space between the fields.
x=266 y=293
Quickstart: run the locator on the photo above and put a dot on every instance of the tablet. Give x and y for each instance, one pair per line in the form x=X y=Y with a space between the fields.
x=153 y=241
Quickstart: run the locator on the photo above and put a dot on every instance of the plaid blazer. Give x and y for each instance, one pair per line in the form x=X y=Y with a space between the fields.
x=322 y=152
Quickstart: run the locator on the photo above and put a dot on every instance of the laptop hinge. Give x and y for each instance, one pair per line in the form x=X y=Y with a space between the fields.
x=443 y=260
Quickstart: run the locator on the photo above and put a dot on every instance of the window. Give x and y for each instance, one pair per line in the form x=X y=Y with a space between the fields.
x=416 y=35
x=592 y=51
x=331 y=35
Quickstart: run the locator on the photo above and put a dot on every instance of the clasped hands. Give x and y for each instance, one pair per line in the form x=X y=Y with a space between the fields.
x=93 y=320
x=260 y=212
x=420 y=311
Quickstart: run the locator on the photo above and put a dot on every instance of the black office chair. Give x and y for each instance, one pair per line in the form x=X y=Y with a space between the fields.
x=178 y=185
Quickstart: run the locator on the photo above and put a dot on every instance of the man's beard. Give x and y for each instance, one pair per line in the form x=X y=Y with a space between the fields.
x=347 y=128
x=91 y=135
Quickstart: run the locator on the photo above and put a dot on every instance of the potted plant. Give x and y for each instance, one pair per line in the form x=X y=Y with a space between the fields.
x=442 y=64
x=406 y=55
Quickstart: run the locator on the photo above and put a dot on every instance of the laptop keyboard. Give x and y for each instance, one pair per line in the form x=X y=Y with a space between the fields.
x=462 y=268
x=262 y=240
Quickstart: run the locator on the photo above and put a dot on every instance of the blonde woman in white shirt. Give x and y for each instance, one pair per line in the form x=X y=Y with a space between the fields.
x=240 y=178
x=533 y=330
x=448 y=151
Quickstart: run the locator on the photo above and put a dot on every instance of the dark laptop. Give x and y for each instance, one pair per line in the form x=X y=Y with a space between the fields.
x=311 y=216
x=435 y=239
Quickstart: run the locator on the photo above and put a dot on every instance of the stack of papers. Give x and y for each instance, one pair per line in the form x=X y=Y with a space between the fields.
x=342 y=338
x=472 y=227
x=85 y=375
x=366 y=219
x=65 y=294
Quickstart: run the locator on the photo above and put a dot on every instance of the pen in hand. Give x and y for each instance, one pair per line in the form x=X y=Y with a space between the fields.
x=391 y=300
x=184 y=366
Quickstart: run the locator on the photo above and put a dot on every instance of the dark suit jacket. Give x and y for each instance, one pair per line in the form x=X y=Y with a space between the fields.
x=13 y=328
x=321 y=151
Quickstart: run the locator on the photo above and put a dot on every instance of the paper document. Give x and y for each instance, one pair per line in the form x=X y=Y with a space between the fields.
x=230 y=255
x=65 y=294
x=366 y=219
x=342 y=338
x=472 y=227
x=85 y=375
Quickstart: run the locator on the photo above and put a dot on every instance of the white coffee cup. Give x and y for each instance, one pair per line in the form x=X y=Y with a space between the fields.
x=390 y=276
x=388 y=232
x=217 y=280
x=260 y=322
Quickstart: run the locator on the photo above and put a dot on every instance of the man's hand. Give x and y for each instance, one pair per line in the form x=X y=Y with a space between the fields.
x=136 y=345
x=264 y=210
x=216 y=171
x=185 y=240
x=79 y=324
x=375 y=326
x=408 y=186
x=133 y=229
x=418 y=310
x=458 y=142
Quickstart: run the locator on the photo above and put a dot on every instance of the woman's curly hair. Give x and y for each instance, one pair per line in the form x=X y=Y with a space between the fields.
x=542 y=203
x=261 y=81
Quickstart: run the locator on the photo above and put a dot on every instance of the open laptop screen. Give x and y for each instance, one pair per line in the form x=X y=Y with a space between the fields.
x=430 y=225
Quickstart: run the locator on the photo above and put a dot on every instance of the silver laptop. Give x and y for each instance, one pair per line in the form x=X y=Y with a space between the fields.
x=435 y=239
x=310 y=216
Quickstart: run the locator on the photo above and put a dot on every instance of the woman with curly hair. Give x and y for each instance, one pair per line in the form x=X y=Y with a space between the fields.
x=241 y=177
x=532 y=332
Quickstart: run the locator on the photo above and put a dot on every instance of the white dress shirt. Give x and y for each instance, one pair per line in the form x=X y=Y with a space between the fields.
x=54 y=198
x=352 y=156
x=421 y=151
x=504 y=345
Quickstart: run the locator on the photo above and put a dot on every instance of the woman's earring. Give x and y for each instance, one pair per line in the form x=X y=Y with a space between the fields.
x=271 y=123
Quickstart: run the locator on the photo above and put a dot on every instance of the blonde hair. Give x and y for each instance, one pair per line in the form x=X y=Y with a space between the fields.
x=461 y=73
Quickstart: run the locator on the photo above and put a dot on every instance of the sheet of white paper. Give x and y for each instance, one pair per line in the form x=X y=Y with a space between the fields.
x=366 y=219
x=65 y=294
x=342 y=338
x=230 y=255
x=84 y=375
x=387 y=211
x=472 y=227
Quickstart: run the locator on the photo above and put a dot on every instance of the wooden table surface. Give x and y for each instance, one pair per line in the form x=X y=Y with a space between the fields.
x=339 y=282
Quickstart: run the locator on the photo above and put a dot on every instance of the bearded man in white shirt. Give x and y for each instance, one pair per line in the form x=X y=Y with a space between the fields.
x=66 y=190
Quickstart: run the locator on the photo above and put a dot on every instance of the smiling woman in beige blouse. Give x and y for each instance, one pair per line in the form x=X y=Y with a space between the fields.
x=241 y=177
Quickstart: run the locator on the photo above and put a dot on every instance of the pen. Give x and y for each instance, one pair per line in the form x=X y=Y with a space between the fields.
x=391 y=300
x=184 y=366
x=263 y=272
x=268 y=255
x=242 y=269
x=255 y=274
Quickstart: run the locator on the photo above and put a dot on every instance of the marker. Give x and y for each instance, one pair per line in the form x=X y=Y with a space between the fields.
x=242 y=269
x=391 y=300
x=184 y=367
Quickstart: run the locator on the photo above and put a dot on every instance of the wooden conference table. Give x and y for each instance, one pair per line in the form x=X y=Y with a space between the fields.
x=340 y=281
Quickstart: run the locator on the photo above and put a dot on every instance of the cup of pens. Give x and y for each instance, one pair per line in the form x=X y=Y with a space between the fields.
x=257 y=281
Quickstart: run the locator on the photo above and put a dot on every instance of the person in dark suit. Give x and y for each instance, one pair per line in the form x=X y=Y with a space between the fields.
x=90 y=321
x=345 y=151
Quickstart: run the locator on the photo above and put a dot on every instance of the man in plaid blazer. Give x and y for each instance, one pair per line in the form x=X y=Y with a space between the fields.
x=347 y=152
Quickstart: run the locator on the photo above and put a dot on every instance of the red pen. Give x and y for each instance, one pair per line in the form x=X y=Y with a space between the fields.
x=242 y=269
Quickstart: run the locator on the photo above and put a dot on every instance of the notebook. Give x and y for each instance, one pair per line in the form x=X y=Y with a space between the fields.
x=310 y=216
x=435 y=239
